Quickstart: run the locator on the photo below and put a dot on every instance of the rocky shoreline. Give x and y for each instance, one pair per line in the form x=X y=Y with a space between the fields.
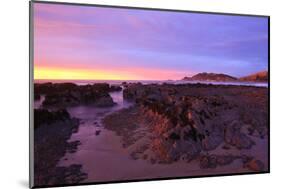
x=53 y=127
x=208 y=126
x=214 y=125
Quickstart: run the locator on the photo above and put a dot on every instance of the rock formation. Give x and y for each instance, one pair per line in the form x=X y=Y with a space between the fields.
x=69 y=94
x=189 y=120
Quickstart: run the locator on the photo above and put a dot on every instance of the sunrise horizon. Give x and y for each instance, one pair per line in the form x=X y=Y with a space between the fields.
x=71 y=43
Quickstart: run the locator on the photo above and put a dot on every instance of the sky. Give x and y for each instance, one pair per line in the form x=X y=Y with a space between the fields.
x=84 y=42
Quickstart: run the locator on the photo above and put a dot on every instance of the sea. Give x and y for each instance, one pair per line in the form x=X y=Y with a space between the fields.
x=145 y=82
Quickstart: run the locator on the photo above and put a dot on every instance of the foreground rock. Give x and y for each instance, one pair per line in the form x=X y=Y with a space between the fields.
x=45 y=117
x=70 y=94
x=52 y=130
x=187 y=122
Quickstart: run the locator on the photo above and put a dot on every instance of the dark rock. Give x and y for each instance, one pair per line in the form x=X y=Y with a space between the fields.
x=51 y=141
x=69 y=94
x=37 y=96
x=115 y=88
x=174 y=136
x=43 y=116
x=105 y=101
x=226 y=147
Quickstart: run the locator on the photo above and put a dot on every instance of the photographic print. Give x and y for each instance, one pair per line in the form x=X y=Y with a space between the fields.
x=126 y=94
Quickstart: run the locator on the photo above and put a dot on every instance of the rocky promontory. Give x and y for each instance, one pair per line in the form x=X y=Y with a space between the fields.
x=210 y=77
x=257 y=77
x=219 y=77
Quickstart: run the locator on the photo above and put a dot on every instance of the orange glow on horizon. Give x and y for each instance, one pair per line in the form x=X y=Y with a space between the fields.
x=61 y=73
x=76 y=74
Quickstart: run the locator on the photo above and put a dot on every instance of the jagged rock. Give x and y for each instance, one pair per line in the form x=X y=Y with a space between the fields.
x=188 y=119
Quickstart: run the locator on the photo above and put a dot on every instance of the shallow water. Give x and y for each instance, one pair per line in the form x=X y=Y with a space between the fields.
x=96 y=152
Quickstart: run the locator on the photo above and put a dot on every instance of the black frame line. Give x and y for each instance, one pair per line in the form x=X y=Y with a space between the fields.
x=31 y=95
x=146 y=8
